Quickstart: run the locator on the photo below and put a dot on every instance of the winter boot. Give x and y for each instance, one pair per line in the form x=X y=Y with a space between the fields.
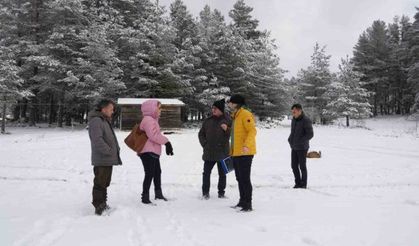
x=159 y=196
x=101 y=208
x=145 y=198
x=206 y=196
x=239 y=205
x=247 y=208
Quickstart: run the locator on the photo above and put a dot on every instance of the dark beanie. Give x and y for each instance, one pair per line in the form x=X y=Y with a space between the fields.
x=238 y=99
x=220 y=105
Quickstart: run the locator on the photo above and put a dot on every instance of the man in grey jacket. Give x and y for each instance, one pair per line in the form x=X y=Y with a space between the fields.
x=301 y=133
x=214 y=138
x=105 y=151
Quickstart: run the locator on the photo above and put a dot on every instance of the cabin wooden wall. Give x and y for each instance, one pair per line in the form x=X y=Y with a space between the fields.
x=171 y=116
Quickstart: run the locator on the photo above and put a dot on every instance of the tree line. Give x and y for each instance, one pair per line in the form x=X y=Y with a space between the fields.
x=58 y=56
x=64 y=54
x=381 y=78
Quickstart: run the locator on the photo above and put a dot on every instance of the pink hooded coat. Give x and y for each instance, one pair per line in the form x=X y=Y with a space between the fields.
x=150 y=124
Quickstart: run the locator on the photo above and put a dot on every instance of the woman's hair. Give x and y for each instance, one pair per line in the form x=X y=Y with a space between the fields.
x=103 y=103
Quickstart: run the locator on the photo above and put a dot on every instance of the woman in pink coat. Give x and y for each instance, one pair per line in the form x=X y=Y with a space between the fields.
x=150 y=155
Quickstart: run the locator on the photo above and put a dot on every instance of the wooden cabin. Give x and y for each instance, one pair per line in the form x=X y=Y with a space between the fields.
x=130 y=112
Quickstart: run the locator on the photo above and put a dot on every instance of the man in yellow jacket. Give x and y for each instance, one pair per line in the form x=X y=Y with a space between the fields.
x=243 y=149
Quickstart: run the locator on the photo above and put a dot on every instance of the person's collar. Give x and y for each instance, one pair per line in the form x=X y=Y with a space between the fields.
x=237 y=111
x=217 y=116
x=300 y=117
x=105 y=117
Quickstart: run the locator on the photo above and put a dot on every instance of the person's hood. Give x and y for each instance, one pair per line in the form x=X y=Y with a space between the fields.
x=93 y=114
x=149 y=108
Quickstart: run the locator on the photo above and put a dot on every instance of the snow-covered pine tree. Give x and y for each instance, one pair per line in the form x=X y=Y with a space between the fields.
x=413 y=44
x=345 y=95
x=257 y=74
x=398 y=93
x=184 y=24
x=266 y=74
x=243 y=34
x=63 y=46
x=371 y=58
x=147 y=52
x=211 y=31
x=34 y=25
x=87 y=65
x=11 y=89
x=313 y=83
x=10 y=81
x=243 y=20
x=188 y=62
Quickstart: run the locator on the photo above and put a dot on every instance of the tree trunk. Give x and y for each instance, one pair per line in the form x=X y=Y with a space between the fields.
x=87 y=114
x=60 y=119
x=68 y=120
x=51 y=111
x=60 y=114
x=375 y=101
x=23 y=110
x=3 y=121
x=32 y=112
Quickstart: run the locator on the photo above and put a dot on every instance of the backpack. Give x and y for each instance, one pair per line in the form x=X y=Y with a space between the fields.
x=136 y=139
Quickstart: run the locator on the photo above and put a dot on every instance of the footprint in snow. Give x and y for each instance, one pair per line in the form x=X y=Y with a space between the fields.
x=310 y=241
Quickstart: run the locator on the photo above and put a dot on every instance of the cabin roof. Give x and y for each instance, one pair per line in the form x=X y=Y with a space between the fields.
x=139 y=101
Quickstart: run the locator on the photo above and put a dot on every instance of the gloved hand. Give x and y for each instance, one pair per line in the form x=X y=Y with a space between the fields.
x=169 y=148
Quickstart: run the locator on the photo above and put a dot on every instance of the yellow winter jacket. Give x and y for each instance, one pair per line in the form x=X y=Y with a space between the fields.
x=243 y=133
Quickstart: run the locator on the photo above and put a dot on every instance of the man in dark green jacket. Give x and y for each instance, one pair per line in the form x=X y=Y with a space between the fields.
x=105 y=152
x=214 y=138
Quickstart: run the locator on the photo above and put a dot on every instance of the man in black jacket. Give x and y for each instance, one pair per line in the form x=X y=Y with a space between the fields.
x=214 y=139
x=105 y=152
x=301 y=133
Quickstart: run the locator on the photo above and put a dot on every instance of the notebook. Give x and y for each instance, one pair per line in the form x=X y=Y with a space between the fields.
x=227 y=165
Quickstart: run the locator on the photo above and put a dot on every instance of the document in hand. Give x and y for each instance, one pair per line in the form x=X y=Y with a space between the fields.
x=227 y=165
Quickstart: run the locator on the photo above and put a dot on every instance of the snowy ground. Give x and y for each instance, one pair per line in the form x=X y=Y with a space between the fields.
x=364 y=191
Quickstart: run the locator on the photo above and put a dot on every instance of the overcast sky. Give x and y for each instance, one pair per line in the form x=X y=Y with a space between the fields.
x=298 y=24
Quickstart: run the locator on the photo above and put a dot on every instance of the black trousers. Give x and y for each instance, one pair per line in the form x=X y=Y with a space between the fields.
x=152 y=171
x=299 y=167
x=101 y=182
x=206 y=177
x=242 y=169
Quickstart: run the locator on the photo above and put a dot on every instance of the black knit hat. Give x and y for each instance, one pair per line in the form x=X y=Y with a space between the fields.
x=220 y=105
x=238 y=99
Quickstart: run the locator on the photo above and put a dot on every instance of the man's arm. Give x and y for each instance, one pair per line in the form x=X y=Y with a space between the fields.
x=202 y=135
x=153 y=134
x=228 y=122
x=96 y=136
x=250 y=126
x=308 y=129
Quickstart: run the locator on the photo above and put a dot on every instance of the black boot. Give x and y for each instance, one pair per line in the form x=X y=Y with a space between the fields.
x=221 y=195
x=101 y=208
x=239 y=205
x=206 y=196
x=145 y=198
x=247 y=208
x=159 y=196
